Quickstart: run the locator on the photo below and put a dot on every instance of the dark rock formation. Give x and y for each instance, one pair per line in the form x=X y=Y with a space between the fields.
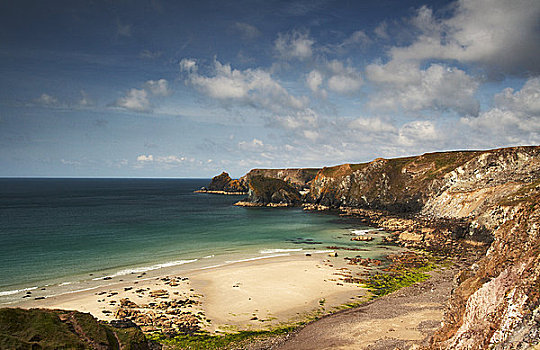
x=265 y=190
x=277 y=187
x=224 y=184
x=61 y=329
x=299 y=178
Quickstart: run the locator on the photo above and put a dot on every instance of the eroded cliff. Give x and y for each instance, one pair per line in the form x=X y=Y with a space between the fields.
x=470 y=197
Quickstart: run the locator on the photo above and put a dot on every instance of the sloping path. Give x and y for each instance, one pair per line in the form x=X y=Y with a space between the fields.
x=397 y=321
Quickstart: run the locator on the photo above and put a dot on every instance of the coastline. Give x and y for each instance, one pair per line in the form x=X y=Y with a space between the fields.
x=284 y=289
x=246 y=295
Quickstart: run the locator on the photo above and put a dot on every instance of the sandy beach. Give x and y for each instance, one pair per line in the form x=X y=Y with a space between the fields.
x=257 y=294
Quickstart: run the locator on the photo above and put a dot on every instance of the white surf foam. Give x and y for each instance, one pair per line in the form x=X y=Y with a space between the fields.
x=256 y=258
x=365 y=231
x=146 y=268
x=15 y=291
x=277 y=250
x=322 y=251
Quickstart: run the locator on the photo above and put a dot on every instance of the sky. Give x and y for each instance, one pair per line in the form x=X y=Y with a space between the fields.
x=156 y=88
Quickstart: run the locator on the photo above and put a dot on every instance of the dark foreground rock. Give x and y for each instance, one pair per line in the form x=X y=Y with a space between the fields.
x=61 y=329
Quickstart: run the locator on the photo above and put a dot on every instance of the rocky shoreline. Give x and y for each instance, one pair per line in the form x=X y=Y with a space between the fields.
x=227 y=193
x=482 y=206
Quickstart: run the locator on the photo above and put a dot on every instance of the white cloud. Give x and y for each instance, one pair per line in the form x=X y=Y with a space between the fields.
x=145 y=158
x=357 y=38
x=47 y=100
x=496 y=33
x=344 y=83
x=314 y=80
x=525 y=101
x=171 y=159
x=514 y=118
x=188 y=65
x=341 y=79
x=418 y=131
x=247 y=31
x=159 y=87
x=70 y=162
x=305 y=119
x=398 y=73
x=85 y=101
x=312 y=135
x=166 y=161
x=135 y=100
x=252 y=87
x=376 y=125
x=294 y=45
x=253 y=145
x=437 y=88
x=344 y=79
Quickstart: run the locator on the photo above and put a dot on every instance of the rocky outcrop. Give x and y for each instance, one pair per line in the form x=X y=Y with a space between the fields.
x=481 y=204
x=223 y=184
x=61 y=329
x=267 y=191
x=277 y=187
x=295 y=177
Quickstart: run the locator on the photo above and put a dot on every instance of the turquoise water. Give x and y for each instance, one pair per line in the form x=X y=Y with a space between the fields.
x=56 y=231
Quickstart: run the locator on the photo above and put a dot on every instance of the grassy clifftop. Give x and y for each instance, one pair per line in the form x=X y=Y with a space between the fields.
x=60 y=329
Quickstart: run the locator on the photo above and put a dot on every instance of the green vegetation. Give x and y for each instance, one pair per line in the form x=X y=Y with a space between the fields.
x=405 y=270
x=58 y=329
x=382 y=284
x=205 y=341
x=25 y=329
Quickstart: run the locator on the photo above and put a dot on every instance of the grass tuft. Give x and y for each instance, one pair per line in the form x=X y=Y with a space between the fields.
x=210 y=341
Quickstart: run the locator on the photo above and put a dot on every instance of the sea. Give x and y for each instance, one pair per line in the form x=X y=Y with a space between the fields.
x=61 y=235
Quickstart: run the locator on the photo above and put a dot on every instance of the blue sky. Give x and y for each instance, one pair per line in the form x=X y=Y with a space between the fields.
x=190 y=88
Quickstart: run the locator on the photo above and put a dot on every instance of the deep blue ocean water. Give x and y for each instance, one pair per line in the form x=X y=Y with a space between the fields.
x=56 y=231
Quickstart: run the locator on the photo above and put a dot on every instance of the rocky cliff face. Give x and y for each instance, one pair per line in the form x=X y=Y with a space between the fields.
x=299 y=178
x=496 y=304
x=277 y=187
x=489 y=196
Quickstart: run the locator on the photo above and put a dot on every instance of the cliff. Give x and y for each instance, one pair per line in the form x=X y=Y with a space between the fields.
x=295 y=177
x=277 y=187
x=471 y=198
